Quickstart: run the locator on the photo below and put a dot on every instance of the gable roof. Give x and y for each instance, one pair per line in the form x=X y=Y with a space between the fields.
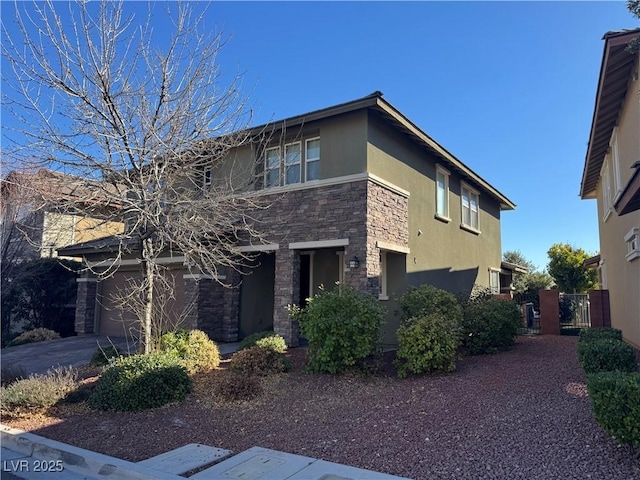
x=615 y=73
x=396 y=119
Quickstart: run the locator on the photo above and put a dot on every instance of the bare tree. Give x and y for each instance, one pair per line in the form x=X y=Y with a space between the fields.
x=149 y=121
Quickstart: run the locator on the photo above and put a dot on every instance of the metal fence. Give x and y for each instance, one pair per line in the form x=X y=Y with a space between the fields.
x=574 y=313
x=529 y=303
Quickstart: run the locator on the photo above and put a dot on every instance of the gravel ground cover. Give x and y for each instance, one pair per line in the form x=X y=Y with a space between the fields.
x=522 y=414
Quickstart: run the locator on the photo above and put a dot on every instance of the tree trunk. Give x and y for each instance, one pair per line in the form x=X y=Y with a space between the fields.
x=148 y=281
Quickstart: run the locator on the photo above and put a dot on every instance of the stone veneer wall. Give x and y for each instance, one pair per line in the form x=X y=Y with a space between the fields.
x=86 y=305
x=212 y=307
x=362 y=211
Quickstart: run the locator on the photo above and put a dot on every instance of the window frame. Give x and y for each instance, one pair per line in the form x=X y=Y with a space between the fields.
x=632 y=239
x=286 y=165
x=267 y=169
x=207 y=177
x=494 y=273
x=445 y=215
x=607 y=192
x=615 y=162
x=307 y=161
x=472 y=192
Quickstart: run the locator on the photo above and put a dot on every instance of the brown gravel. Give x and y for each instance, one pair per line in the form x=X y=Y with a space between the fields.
x=522 y=414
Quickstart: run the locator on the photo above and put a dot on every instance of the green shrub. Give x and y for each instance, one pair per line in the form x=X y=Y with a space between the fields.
x=427 y=300
x=37 y=391
x=615 y=397
x=139 y=382
x=266 y=339
x=234 y=386
x=588 y=334
x=194 y=349
x=102 y=356
x=489 y=325
x=343 y=328
x=258 y=361
x=427 y=344
x=33 y=336
x=606 y=355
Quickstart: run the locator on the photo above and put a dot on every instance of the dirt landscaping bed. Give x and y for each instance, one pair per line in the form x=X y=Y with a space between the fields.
x=520 y=414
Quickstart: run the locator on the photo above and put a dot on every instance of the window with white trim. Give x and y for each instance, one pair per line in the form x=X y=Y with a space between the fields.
x=615 y=162
x=602 y=275
x=632 y=239
x=292 y=155
x=607 y=197
x=272 y=167
x=207 y=177
x=494 y=280
x=470 y=207
x=442 y=192
x=312 y=158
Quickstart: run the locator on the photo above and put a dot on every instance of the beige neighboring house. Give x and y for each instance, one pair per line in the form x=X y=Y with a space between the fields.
x=359 y=195
x=35 y=215
x=612 y=176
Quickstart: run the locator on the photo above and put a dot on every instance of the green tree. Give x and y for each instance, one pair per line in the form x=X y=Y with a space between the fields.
x=634 y=7
x=533 y=280
x=566 y=266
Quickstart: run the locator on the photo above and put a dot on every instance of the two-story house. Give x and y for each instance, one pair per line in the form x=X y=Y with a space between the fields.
x=359 y=195
x=612 y=176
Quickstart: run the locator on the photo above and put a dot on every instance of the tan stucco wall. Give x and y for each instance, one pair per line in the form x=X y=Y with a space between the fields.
x=623 y=277
x=88 y=228
x=442 y=253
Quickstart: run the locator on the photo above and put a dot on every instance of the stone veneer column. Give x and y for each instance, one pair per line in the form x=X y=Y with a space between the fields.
x=211 y=307
x=86 y=305
x=286 y=292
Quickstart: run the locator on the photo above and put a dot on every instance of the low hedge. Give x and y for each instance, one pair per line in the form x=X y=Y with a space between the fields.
x=615 y=398
x=589 y=334
x=606 y=355
x=139 y=382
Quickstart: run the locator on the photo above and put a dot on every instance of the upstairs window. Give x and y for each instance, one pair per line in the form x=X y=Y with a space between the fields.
x=442 y=193
x=632 y=239
x=272 y=167
x=312 y=157
x=292 y=156
x=470 y=208
x=607 y=196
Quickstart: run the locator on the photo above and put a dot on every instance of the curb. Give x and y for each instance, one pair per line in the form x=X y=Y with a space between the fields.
x=78 y=460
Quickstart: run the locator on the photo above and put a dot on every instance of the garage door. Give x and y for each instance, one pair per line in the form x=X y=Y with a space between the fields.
x=117 y=316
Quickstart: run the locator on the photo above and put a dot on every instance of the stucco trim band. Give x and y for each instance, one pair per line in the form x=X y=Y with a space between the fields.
x=268 y=247
x=392 y=247
x=202 y=276
x=340 y=242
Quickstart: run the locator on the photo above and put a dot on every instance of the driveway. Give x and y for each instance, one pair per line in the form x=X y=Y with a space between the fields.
x=42 y=356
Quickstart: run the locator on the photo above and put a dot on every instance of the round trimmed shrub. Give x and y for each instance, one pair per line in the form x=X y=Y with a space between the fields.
x=489 y=325
x=34 y=336
x=427 y=344
x=589 y=334
x=427 y=300
x=615 y=398
x=102 y=356
x=235 y=386
x=139 y=382
x=606 y=355
x=258 y=361
x=266 y=339
x=194 y=349
x=343 y=329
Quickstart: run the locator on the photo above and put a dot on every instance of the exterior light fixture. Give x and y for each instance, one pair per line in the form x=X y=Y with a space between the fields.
x=354 y=262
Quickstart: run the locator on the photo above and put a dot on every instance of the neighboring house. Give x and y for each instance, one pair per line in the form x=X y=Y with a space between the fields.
x=35 y=219
x=612 y=176
x=361 y=196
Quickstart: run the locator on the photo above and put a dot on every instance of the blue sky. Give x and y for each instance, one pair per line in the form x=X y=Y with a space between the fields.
x=507 y=87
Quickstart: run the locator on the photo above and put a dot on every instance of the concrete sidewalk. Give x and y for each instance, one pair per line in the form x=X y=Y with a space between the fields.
x=76 y=351
x=32 y=457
